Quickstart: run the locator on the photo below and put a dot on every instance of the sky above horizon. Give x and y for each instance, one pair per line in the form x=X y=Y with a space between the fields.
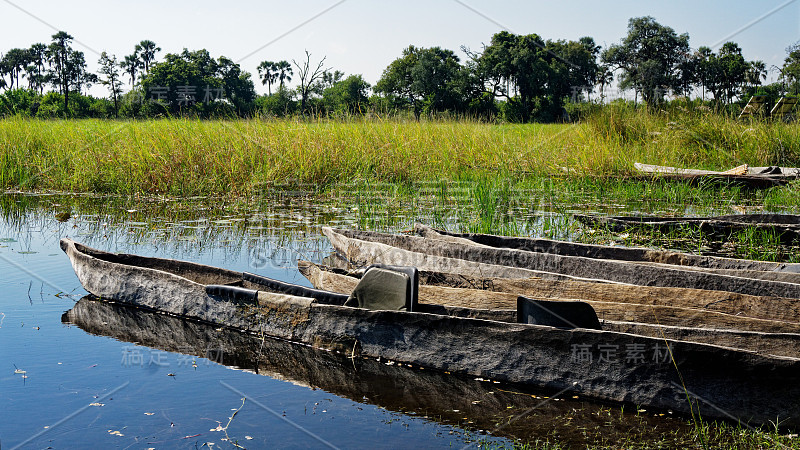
x=363 y=37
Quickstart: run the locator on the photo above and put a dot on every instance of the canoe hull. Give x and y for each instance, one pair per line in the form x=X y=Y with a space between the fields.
x=364 y=247
x=605 y=365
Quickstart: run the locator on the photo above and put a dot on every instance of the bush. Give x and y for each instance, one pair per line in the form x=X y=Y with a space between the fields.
x=19 y=102
x=279 y=104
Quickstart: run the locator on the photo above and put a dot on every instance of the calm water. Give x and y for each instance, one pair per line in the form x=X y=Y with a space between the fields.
x=80 y=373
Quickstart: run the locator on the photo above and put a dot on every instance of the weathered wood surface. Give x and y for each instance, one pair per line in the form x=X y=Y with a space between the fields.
x=771 y=171
x=537 y=355
x=362 y=248
x=750 y=179
x=351 y=255
x=785 y=227
x=478 y=289
x=785 y=340
x=609 y=252
x=759 y=307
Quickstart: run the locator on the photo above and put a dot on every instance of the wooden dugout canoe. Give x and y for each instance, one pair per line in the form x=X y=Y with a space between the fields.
x=631 y=254
x=755 y=177
x=789 y=272
x=649 y=318
x=785 y=227
x=725 y=383
x=362 y=248
x=762 y=270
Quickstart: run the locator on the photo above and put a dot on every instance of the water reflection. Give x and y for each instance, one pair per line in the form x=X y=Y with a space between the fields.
x=481 y=405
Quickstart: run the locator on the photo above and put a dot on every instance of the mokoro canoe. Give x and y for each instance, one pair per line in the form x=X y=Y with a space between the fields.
x=362 y=248
x=446 y=398
x=631 y=254
x=745 y=175
x=724 y=382
x=785 y=227
x=647 y=319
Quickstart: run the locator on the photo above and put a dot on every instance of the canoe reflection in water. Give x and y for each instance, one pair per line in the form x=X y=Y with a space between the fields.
x=479 y=404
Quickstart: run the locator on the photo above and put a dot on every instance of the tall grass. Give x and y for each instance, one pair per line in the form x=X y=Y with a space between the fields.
x=190 y=157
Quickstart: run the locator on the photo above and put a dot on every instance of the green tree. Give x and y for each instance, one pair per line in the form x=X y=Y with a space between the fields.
x=37 y=57
x=605 y=76
x=238 y=86
x=650 y=58
x=67 y=67
x=131 y=65
x=423 y=79
x=573 y=67
x=268 y=73
x=109 y=69
x=284 y=72
x=790 y=71
x=536 y=77
x=349 y=95
x=281 y=103
x=15 y=61
x=147 y=50
x=328 y=80
x=724 y=73
x=196 y=83
x=699 y=72
x=756 y=73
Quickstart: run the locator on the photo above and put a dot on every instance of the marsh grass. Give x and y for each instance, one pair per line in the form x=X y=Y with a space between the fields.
x=184 y=157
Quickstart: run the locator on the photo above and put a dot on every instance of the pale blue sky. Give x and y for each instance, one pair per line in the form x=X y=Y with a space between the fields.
x=360 y=36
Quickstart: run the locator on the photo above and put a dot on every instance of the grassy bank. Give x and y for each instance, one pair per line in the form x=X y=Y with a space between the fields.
x=183 y=157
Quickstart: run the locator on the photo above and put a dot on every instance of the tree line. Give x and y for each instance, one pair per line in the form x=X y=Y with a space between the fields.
x=517 y=78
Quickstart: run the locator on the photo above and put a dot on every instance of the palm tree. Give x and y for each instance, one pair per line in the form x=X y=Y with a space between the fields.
x=37 y=57
x=268 y=71
x=15 y=62
x=131 y=65
x=147 y=52
x=3 y=72
x=284 y=72
x=604 y=78
x=756 y=72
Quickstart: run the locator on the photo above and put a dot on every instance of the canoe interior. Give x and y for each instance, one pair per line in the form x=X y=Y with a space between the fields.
x=364 y=247
x=632 y=254
x=197 y=273
x=691 y=325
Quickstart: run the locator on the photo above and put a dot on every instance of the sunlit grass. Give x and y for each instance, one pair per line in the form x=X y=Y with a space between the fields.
x=191 y=157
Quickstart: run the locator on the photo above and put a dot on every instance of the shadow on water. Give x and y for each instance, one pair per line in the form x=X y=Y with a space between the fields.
x=477 y=404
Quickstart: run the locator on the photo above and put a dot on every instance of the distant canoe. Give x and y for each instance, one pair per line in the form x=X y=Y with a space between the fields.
x=365 y=247
x=632 y=254
x=785 y=227
x=750 y=176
